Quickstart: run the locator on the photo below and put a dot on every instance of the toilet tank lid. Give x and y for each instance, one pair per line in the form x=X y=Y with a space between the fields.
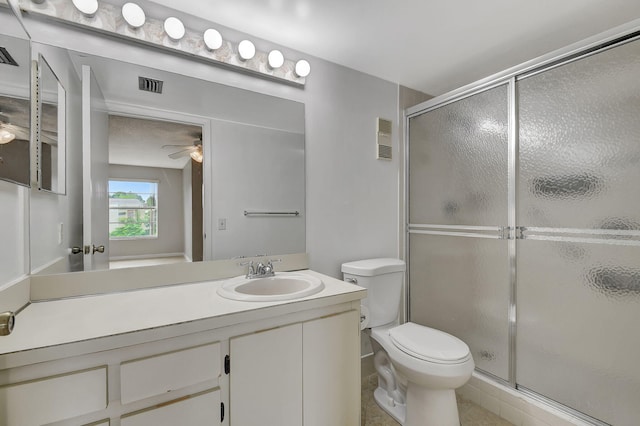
x=371 y=267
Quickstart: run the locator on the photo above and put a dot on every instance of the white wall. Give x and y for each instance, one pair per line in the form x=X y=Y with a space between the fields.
x=170 y=212
x=352 y=198
x=266 y=169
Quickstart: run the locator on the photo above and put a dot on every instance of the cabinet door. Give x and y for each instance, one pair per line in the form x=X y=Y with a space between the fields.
x=195 y=410
x=331 y=348
x=266 y=378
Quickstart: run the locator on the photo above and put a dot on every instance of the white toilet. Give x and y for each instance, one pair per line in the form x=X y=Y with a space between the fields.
x=418 y=367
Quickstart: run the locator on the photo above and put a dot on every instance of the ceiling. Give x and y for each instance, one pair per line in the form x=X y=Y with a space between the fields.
x=430 y=45
x=143 y=143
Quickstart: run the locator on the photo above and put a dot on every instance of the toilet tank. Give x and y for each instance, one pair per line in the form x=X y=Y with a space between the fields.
x=383 y=280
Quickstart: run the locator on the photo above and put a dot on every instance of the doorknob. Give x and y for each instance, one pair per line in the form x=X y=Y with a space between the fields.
x=99 y=249
x=76 y=250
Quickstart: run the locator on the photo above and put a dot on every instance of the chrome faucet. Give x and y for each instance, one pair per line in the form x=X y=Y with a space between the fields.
x=261 y=270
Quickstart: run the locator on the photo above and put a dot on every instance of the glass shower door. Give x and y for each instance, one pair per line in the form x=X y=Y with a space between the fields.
x=578 y=280
x=458 y=198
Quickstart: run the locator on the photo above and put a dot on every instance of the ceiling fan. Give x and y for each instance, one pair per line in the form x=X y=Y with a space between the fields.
x=9 y=132
x=194 y=150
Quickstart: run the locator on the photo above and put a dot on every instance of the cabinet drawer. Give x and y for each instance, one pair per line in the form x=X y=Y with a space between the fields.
x=157 y=375
x=196 y=410
x=53 y=398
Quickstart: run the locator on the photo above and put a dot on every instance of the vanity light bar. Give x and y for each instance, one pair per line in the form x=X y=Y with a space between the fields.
x=130 y=22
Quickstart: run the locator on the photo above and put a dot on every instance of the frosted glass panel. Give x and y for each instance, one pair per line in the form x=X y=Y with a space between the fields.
x=461 y=285
x=458 y=162
x=578 y=317
x=579 y=143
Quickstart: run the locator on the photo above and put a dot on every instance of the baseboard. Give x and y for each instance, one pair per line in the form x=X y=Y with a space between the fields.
x=514 y=406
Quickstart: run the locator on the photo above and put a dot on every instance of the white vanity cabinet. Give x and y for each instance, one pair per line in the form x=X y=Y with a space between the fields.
x=299 y=374
x=168 y=382
x=213 y=362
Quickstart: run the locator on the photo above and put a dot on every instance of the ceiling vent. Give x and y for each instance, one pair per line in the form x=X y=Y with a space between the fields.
x=6 y=58
x=147 y=84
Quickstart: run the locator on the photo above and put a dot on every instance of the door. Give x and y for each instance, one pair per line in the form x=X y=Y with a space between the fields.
x=266 y=378
x=95 y=177
x=578 y=280
x=458 y=208
x=331 y=370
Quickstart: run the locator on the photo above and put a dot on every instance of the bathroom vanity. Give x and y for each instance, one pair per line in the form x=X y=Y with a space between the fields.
x=183 y=355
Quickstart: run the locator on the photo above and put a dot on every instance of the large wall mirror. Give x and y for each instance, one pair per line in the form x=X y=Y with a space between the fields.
x=15 y=91
x=172 y=169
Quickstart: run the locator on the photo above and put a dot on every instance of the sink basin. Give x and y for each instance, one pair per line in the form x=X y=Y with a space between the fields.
x=282 y=286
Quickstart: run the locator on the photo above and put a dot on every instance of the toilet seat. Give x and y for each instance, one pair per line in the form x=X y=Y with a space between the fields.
x=429 y=344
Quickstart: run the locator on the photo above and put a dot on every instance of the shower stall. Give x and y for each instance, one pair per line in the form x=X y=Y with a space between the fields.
x=523 y=226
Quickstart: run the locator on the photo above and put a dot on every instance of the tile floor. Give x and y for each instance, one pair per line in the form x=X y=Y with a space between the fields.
x=470 y=413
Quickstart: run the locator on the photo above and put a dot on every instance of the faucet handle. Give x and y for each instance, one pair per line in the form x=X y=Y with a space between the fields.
x=250 y=271
x=268 y=268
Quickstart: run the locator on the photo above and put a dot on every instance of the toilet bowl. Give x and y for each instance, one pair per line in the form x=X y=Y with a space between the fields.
x=418 y=367
x=426 y=371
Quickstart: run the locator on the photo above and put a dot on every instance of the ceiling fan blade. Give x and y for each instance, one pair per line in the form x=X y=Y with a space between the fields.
x=183 y=153
x=20 y=132
x=176 y=146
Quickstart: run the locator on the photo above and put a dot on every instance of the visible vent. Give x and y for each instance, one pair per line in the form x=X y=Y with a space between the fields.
x=384 y=152
x=383 y=139
x=6 y=58
x=147 y=84
x=384 y=126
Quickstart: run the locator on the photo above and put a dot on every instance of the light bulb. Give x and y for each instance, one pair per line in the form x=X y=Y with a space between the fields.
x=197 y=156
x=303 y=68
x=246 y=50
x=212 y=39
x=276 y=59
x=174 y=28
x=6 y=136
x=133 y=15
x=86 y=7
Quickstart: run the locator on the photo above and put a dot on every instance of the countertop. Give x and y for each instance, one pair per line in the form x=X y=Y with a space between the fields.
x=191 y=307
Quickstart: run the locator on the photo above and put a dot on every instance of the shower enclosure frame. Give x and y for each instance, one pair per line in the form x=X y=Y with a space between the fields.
x=590 y=46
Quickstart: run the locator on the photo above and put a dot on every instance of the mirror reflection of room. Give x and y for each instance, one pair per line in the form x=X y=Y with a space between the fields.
x=155 y=192
x=51 y=140
x=14 y=109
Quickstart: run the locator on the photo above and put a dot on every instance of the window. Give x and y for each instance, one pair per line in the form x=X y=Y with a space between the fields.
x=133 y=209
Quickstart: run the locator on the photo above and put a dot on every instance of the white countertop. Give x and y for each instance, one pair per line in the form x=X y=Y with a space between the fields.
x=60 y=322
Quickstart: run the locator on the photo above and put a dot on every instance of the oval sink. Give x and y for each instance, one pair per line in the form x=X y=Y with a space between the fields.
x=282 y=286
